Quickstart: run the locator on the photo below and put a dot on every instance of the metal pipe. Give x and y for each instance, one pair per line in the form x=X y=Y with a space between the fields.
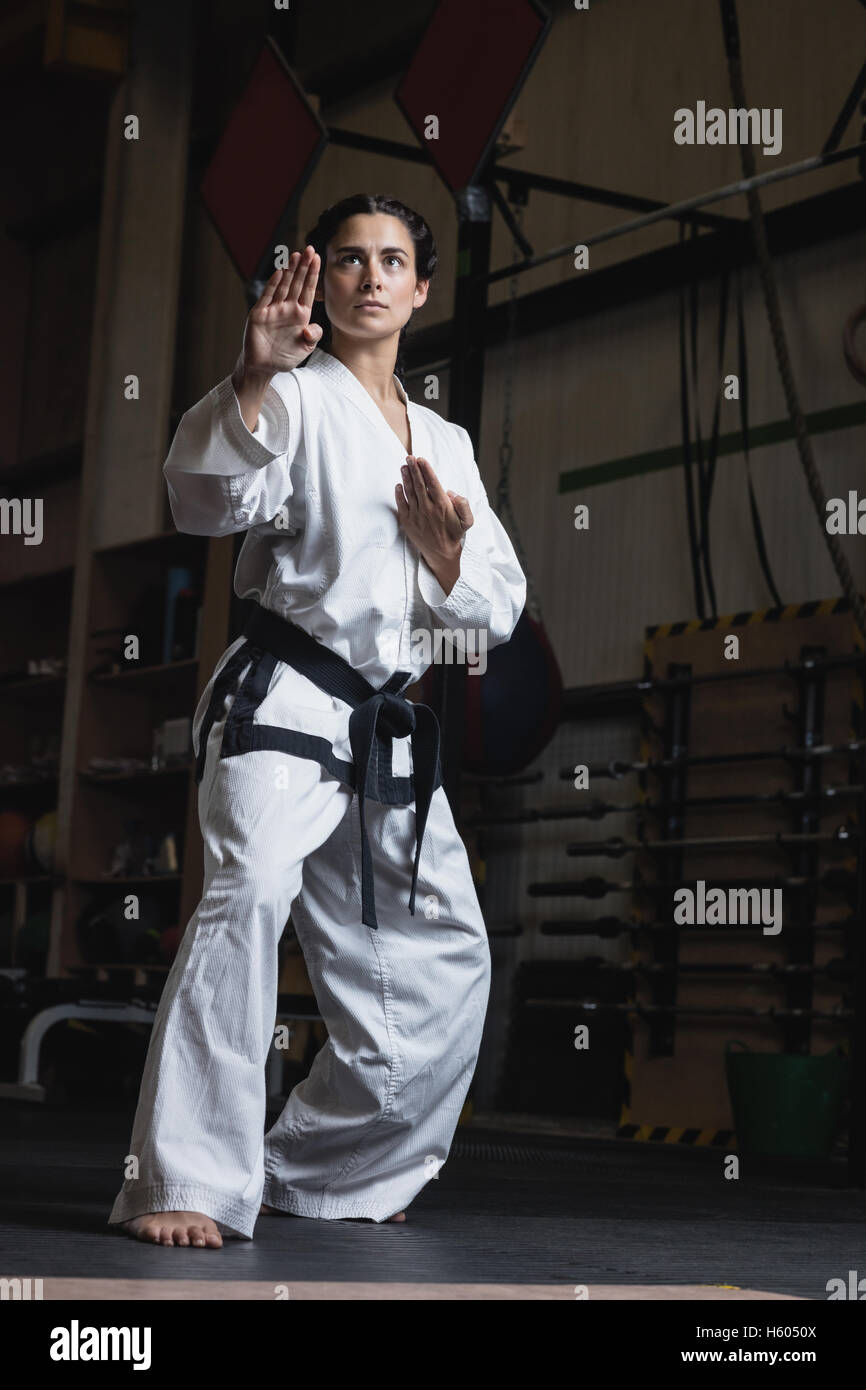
x=599 y=809
x=676 y=210
x=590 y=1006
x=615 y=847
x=839 y=880
x=618 y=769
x=611 y=927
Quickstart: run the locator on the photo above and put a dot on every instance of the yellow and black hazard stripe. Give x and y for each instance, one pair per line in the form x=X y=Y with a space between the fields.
x=671 y=1134
x=665 y=1134
x=823 y=608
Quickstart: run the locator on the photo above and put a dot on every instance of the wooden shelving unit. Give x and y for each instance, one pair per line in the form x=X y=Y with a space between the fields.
x=119 y=709
x=124 y=701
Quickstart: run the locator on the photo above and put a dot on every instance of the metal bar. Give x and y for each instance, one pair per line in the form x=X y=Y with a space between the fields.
x=618 y=769
x=509 y=219
x=595 y=887
x=374 y=144
x=520 y=779
x=676 y=210
x=611 y=927
x=840 y=125
x=602 y=695
x=598 y=810
x=768 y=968
x=589 y=193
x=590 y=1006
x=842 y=661
x=616 y=848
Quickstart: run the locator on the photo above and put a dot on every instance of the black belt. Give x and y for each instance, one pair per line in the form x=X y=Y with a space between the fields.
x=374 y=713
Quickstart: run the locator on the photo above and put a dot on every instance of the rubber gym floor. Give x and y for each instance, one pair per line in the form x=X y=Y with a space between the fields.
x=511 y=1215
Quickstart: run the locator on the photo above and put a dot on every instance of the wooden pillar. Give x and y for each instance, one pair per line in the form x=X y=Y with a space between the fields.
x=134 y=329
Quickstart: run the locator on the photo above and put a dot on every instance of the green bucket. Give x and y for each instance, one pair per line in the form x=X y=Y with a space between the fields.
x=785 y=1103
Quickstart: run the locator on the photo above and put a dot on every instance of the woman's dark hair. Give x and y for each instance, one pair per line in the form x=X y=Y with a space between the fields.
x=426 y=258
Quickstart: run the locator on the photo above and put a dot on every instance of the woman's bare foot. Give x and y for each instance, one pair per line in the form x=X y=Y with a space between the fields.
x=174 y=1228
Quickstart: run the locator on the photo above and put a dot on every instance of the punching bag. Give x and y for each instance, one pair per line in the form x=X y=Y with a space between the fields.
x=513 y=709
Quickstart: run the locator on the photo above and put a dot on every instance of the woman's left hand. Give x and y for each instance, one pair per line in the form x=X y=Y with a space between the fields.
x=434 y=520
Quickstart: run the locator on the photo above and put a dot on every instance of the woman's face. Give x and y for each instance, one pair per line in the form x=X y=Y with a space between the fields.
x=371 y=257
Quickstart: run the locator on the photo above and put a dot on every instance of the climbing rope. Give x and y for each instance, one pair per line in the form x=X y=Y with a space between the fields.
x=771 y=300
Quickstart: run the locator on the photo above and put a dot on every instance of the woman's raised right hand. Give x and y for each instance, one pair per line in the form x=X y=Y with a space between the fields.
x=278 y=333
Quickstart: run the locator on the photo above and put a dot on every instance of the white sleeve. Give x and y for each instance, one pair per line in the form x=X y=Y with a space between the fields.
x=490 y=592
x=223 y=477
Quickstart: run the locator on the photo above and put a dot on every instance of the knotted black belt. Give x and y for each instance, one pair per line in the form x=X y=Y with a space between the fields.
x=375 y=713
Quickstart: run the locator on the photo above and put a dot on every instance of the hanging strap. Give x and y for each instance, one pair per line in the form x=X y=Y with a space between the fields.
x=710 y=477
x=502 y=506
x=731 y=34
x=691 y=519
x=744 y=420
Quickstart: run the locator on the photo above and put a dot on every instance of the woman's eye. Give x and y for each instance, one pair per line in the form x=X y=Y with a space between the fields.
x=353 y=256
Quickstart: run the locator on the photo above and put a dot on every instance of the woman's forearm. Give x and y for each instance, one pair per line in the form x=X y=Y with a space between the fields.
x=250 y=388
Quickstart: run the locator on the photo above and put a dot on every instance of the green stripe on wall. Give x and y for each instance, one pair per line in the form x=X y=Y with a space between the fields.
x=841 y=417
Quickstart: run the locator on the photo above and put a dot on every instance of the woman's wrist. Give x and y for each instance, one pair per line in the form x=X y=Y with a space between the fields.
x=445 y=568
x=250 y=388
x=250 y=379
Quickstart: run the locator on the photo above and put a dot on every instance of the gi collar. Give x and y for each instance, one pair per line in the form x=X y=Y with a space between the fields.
x=346 y=381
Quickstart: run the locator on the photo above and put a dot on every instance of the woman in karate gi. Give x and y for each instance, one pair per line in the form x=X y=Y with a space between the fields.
x=368 y=528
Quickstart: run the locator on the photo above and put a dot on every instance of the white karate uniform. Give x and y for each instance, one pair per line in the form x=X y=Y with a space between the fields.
x=404 y=1004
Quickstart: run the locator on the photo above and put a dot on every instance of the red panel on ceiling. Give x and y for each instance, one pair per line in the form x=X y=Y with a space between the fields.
x=467 y=71
x=263 y=159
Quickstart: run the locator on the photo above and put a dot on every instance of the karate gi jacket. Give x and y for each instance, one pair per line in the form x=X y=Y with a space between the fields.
x=313 y=487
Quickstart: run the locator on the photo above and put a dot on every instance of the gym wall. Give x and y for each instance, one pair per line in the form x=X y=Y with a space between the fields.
x=607 y=386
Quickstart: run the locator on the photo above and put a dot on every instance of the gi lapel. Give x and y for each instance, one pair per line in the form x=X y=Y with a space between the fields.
x=346 y=382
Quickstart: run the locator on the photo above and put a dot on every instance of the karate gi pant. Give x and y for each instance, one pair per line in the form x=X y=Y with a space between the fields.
x=404 y=1005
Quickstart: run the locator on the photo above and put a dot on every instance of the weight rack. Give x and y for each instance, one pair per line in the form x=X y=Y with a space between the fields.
x=659 y=853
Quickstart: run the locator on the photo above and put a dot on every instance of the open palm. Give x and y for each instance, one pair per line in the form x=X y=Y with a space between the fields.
x=278 y=334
